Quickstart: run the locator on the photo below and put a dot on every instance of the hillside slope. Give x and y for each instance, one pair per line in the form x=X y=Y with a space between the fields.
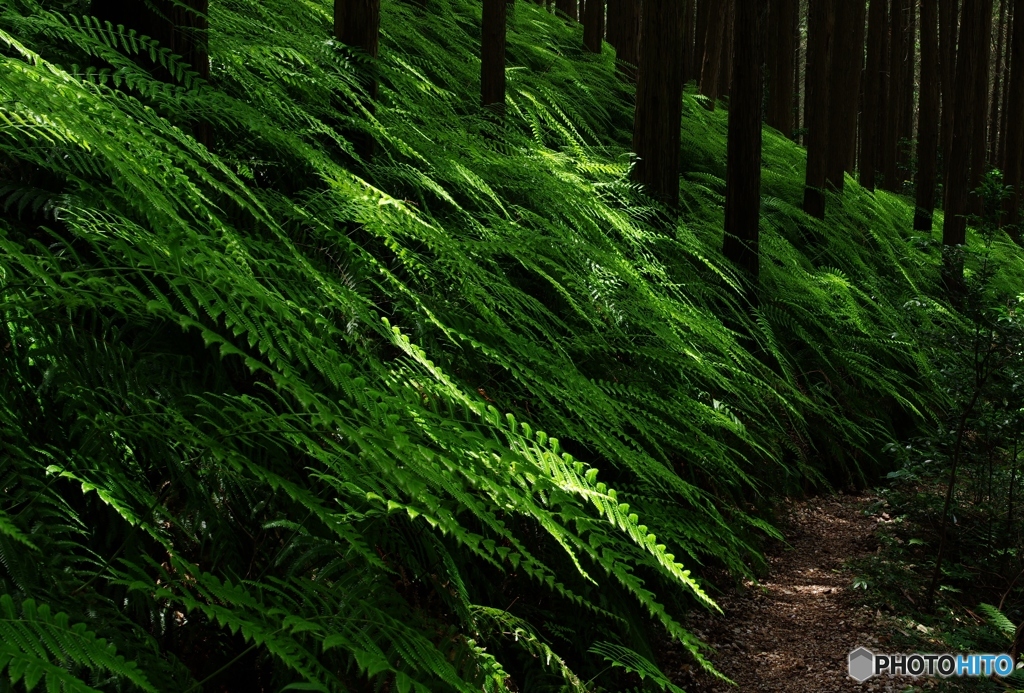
x=463 y=417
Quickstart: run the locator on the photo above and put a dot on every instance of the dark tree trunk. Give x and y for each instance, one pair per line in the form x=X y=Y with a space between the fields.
x=820 y=27
x=712 y=59
x=872 y=115
x=492 y=54
x=908 y=26
x=844 y=74
x=1000 y=159
x=1014 y=153
x=743 y=172
x=725 y=72
x=568 y=8
x=702 y=18
x=895 y=114
x=859 y=28
x=948 y=13
x=659 y=101
x=997 y=86
x=628 y=36
x=613 y=17
x=928 y=117
x=954 y=227
x=689 y=39
x=798 y=60
x=781 y=55
x=593 y=25
x=980 y=102
x=357 y=24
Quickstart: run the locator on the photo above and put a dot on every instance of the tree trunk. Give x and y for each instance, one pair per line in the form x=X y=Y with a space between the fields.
x=820 y=28
x=997 y=87
x=798 y=59
x=690 y=11
x=659 y=101
x=859 y=28
x=492 y=54
x=357 y=24
x=908 y=26
x=1014 y=154
x=980 y=102
x=894 y=126
x=725 y=72
x=613 y=30
x=1000 y=158
x=568 y=8
x=593 y=25
x=743 y=172
x=844 y=73
x=781 y=54
x=628 y=36
x=948 y=12
x=702 y=17
x=712 y=58
x=870 y=119
x=928 y=117
x=954 y=228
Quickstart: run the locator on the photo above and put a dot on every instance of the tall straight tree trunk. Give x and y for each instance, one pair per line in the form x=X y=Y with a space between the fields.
x=743 y=168
x=659 y=101
x=690 y=11
x=712 y=58
x=702 y=17
x=820 y=28
x=980 y=102
x=357 y=24
x=492 y=52
x=894 y=125
x=844 y=74
x=1000 y=160
x=1014 y=151
x=568 y=8
x=628 y=36
x=781 y=54
x=613 y=17
x=878 y=20
x=997 y=86
x=908 y=25
x=928 y=117
x=954 y=227
x=725 y=72
x=593 y=25
x=798 y=60
x=948 y=14
x=860 y=31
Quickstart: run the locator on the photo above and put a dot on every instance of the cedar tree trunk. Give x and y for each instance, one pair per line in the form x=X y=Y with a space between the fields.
x=781 y=54
x=820 y=27
x=743 y=172
x=873 y=82
x=844 y=69
x=659 y=101
x=492 y=55
x=928 y=117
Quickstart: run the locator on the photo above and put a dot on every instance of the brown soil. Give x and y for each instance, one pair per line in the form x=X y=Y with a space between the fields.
x=794 y=631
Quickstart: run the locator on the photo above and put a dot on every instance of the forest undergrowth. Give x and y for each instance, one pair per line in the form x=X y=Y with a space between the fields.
x=473 y=414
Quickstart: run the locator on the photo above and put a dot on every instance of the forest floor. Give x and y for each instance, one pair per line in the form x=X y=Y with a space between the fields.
x=793 y=631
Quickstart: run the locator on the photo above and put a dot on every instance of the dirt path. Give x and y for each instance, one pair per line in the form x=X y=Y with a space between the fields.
x=793 y=633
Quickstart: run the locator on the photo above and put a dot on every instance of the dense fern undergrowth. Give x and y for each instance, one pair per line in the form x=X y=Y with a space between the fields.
x=471 y=416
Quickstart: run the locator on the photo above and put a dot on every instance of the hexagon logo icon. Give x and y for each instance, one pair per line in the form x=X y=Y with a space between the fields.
x=862 y=664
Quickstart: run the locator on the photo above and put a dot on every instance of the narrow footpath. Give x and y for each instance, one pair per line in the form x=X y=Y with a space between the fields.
x=794 y=631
